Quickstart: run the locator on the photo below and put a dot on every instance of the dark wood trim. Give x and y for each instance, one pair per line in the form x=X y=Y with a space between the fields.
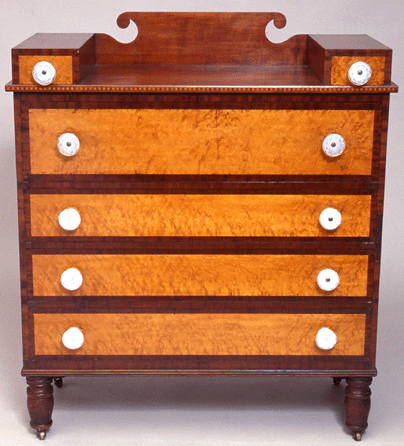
x=388 y=88
x=162 y=245
x=86 y=60
x=218 y=372
x=40 y=403
x=249 y=365
x=51 y=44
x=357 y=404
x=201 y=304
x=199 y=184
x=155 y=245
x=362 y=100
x=322 y=48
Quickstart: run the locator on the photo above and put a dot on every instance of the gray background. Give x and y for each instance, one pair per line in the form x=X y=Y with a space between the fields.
x=191 y=410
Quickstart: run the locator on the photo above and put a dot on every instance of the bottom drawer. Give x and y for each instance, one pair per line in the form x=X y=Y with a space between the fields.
x=198 y=334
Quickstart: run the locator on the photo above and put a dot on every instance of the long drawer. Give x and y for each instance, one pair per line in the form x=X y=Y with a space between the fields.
x=199 y=334
x=199 y=215
x=197 y=275
x=200 y=141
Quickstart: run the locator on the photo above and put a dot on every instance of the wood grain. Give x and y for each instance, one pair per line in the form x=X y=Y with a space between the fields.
x=179 y=76
x=63 y=66
x=200 y=215
x=341 y=65
x=189 y=141
x=40 y=402
x=199 y=334
x=298 y=78
x=202 y=38
x=200 y=275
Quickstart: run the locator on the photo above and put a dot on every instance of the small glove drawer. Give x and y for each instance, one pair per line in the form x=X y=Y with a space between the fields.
x=40 y=70
x=357 y=70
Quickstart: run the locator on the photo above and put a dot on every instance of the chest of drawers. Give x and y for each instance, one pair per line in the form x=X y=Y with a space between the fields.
x=200 y=201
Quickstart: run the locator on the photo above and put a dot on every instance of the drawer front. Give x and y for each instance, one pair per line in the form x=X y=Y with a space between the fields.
x=200 y=275
x=199 y=334
x=63 y=66
x=200 y=215
x=237 y=142
x=341 y=65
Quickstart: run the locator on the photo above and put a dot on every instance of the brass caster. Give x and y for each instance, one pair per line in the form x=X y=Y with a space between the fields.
x=337 y=381
x=358 y=436
x=41 y=435
x=58 y=382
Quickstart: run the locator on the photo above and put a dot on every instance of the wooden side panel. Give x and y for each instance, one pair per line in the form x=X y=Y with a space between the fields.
x=341 y=64
x=179 y=141
x=200 y=275
x=63 y=66
x=200 y=215
x=199 y=334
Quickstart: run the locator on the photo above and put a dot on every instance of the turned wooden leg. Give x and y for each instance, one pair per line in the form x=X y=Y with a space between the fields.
x=40 y=403
x=357 y=404
x=58 y=382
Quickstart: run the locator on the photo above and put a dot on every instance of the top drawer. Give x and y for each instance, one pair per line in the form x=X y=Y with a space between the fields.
x=200 y=142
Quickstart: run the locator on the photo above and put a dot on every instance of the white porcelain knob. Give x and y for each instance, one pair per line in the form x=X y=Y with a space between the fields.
x=330 y=219
x=359 y=73
x=328 y=279
x=71 y=279
x=69 y=219
x=44 y=73
x=333 y=145
x=68 y=144
x=326 y=339
x=73 y=338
